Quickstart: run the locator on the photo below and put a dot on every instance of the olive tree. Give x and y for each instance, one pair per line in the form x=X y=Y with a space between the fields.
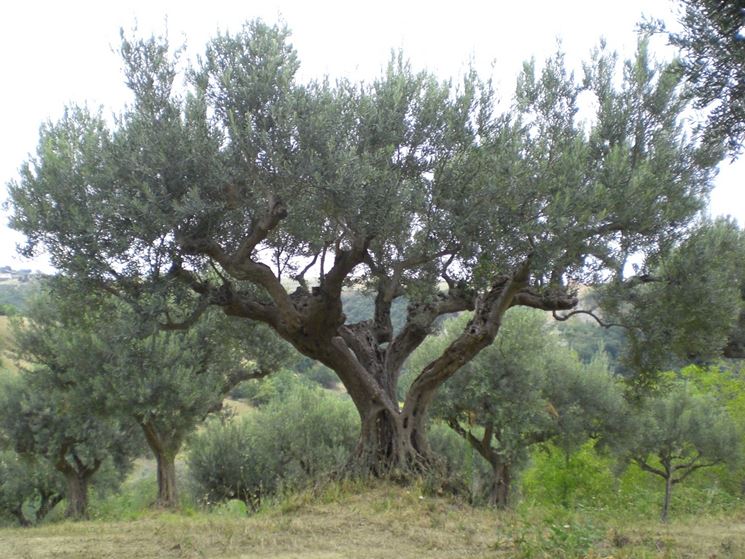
x=692 y=309
x=680 y=432
x=266 y=196
x=29 y=487
x=48 y=419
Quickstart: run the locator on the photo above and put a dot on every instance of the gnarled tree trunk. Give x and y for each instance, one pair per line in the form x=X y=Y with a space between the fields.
x=499 y=494
x=390 y=444
x=368 y=356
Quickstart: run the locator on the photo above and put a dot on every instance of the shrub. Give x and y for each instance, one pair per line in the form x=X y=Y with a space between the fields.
x=578 y=479
x=290 y=442
x=274 y=387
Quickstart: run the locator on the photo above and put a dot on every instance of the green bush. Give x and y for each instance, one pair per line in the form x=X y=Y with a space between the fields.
x=274 y=387
x=292 y=441
x=582 y=479
x=8 y=310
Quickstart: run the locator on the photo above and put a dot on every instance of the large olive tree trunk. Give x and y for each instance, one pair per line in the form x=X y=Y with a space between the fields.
x=499 y=493
x=367 y=356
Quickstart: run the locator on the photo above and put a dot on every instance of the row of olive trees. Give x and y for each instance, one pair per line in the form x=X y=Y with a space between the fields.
x=100 y=384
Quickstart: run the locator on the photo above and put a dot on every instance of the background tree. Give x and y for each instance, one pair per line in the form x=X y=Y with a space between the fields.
x=666 y=323
x=524 y=389
x=170 y=381
x=47 y=417
x=167 y=381
x=680 y=432
x=712 y=45
x=409 y=185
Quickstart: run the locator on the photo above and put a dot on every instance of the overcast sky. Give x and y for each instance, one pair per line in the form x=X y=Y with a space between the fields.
x=62 y=52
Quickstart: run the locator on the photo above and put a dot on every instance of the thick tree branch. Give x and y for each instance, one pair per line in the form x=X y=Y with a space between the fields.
x=364 y=389
x=276 y=212
x=690 y=468
x=419 y=321
x=486 y=452
x=480 y=332
x=189 y=321
x=360 y=339
x=528 y=297
x=344 y=262
x=241 y=267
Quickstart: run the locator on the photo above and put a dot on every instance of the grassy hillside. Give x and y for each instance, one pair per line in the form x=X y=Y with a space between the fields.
x=6 y=360
x=382 y=521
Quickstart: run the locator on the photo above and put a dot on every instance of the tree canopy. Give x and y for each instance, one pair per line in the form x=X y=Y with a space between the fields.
x=410 y=185
x=712 y=46
x=50 y=420
x=692 y=308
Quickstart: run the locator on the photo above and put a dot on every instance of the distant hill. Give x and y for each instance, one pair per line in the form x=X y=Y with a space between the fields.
x=16 y=286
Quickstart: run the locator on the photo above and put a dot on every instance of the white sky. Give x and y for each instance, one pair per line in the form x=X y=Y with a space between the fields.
x=59 y=52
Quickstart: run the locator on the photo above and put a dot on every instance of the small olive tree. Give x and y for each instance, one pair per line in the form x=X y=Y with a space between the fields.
x=47 y=417
x=678 y=432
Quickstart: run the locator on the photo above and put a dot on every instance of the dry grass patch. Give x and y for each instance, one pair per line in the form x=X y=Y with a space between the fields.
x=382 y=521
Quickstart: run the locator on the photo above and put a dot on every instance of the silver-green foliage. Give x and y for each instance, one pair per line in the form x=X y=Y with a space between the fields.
x=293 y=440
x=524 y=389
x=29 y=487
x=415 y=186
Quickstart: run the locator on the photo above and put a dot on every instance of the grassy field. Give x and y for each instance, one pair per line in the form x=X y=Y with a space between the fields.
x=382 y=521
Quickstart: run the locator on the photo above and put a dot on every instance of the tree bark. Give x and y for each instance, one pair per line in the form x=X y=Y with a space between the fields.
x=167 y=491
x=77 y=495
x=165 y=450
x=390 y=445
x=48 y=502
x=668 y=494
x=499 y=495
